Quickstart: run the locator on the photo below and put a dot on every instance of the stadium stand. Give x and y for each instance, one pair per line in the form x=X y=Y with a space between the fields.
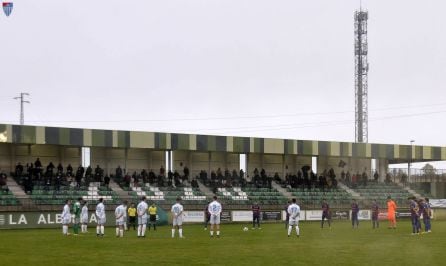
x=312 y=197
x=380 y=192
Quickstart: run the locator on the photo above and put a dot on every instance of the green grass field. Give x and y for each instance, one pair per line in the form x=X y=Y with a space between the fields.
x=339 y=245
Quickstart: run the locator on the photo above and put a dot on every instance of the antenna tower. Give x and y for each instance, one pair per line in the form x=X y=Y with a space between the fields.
x=361 y=76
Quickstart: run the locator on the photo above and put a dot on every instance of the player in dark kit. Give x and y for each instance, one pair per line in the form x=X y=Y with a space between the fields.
x=427 y=215
x=287 y=219
x=207 y=217
x=355 y=211
x=255 y=215
x=375 y=214
x=325 y=213
x=414 y=215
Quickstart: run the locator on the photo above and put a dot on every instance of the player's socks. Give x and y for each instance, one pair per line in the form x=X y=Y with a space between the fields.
x=143 y=233
x=139 y=230
x=102 y=230
x=117 y=231
x=76 y=229
x=297 y=230
x=121 y=232
x=181 y=232
x=98 y=230
x=290 y=227
x=65 y=229
x=173 y=233
x=218 y=233
x=212 y=233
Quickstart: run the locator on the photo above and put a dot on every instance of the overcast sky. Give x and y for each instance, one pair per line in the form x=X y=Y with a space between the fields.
x=282 y=69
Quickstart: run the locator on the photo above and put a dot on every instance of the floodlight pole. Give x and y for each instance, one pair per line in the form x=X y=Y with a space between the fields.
x=22 y=101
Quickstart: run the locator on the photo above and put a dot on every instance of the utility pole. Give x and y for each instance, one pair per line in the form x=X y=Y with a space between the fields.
x=22 y=101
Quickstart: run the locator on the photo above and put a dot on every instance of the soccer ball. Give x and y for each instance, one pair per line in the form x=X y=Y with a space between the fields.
x=245 y=229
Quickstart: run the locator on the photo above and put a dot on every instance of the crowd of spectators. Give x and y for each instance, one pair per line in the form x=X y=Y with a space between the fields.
x=36 y=174
x=160 y=179
x=305 y=178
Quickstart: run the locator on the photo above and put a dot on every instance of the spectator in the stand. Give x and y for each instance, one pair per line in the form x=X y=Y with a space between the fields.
x=79 y=175
x=69 y=170
x=88 y=173
x=348 y=177
x=47 y=183
x=37 y=169
x=176 y=178
x=59 y=168
x=160 y=181
x=170 y=177
x=388 y=178
x=364 y=178
x=30 y=170
x=28 y=184
x=343 y=176
x=127 y=179
x=194 y=183
x=376 y=176
x=277 y=177
x=135 y=179
x=58 y=181
x=242 y=174
x=3 y=184
x=118 y=173
x=50 y=169
x=186 y=174
x=38 y=164
x=106 y=181
x=98 y=174
x=152 y=176
x=19 y=170
x=404 y=178
x=162 y=171
x=144 y=176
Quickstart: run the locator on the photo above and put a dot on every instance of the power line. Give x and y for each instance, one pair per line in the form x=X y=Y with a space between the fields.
x=228 y=117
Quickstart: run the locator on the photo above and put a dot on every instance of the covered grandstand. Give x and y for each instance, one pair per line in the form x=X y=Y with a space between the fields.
x=153 y=164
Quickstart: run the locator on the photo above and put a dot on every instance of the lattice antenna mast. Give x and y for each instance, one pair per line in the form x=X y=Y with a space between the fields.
x=22 y=101
x=361 y=76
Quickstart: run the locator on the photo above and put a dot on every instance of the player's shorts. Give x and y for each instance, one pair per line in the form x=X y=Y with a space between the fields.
x=101 y=220
x=215 y=219
x=153 y=218
x=120 y=221
x=142 y=219
x=84 y=220
x=325 y=216
x=66 y=220
x=294 y=221
x=177 y=220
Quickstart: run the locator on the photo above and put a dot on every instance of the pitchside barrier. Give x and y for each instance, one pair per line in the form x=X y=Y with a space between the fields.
x=19 y=220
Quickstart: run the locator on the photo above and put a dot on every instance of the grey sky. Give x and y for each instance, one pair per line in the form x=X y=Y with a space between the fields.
x=265 y=67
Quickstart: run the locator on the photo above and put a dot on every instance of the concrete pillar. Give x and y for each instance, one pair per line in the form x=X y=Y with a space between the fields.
x=383 y=168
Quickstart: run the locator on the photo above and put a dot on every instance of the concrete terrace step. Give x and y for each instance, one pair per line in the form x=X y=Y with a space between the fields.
x=350 y=191
x=282 y=190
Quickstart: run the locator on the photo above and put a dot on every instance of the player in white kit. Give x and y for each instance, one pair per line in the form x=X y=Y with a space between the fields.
x=294 y=214
x=101 y=218
x=177 y=218
x=141 y=210
x=66 y=217
x=215 y=210
x=120 y=219
x=84 y=217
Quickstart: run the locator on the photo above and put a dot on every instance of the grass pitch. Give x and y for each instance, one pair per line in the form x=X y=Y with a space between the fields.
x=340 y=245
